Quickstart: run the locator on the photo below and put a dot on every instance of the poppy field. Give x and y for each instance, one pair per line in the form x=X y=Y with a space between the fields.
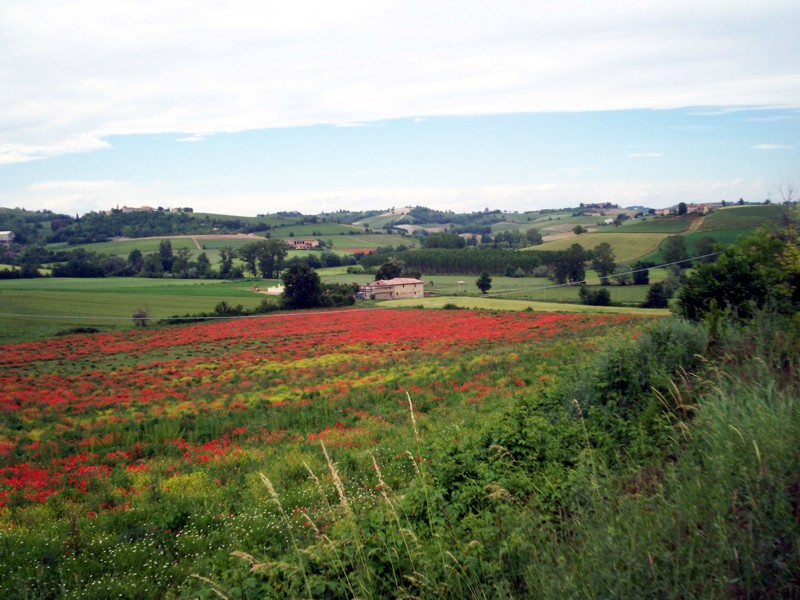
x=134 y=463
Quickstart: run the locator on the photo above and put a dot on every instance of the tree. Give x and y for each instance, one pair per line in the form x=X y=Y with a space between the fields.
x=180 y=263
x=301 y=287
x=271 y=254
x=443 y=240
x=203 y=265
x=264 y=257
x=390 y=269
x=641 y=272
x=484 y=282
x=674 y=251
x=603 y=261
x=594 y=297
x=534 y=237
x=226 y=256
x=622 y=274
x=165 y=254
x=682 y=208
x=749 y=275
x=136 y=260
x=579 y=229
x=657 y=297
x=568 y=265
x=152 y=266
x=705 y=246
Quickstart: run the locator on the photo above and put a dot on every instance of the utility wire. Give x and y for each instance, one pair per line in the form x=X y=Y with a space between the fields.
x=222 y=318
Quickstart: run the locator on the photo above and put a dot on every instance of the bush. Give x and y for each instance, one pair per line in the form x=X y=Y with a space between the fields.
x=594 y=297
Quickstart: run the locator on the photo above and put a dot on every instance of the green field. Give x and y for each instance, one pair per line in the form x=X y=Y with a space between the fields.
x=34 y=308
x=314 y=230
x=670 y=225
x=124 y=247
x=742 y=217
x=627 y=246
x=488 y=303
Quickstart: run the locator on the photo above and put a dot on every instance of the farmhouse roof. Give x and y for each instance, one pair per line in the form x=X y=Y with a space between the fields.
x=396 y=281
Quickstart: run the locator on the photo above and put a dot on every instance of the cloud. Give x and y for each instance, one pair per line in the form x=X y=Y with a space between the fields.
x=772 y=147
x=99 y=68
x=81 y=196
x=191 y=138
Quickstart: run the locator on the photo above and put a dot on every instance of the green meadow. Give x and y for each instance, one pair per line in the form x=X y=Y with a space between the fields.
x=35 y=308
x=627 y=246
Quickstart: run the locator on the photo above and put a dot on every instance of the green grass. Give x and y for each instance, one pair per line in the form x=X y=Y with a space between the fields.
x=374 y=240
x=627 y=247
x=125 y=247
x=490 y=303
x=670 y=225
x=742 y=217
x=53 y=305
x=315 y=230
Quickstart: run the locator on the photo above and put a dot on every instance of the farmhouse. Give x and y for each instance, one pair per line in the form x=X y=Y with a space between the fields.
x=391 y=289
x=6 y=237
x=302 y=244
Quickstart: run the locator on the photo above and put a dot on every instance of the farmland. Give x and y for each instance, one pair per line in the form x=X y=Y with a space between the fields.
x=130 y=460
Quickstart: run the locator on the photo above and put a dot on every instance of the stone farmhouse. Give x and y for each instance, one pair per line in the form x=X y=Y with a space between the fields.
x=6 y=238
x=392 y=289
x=298 y=244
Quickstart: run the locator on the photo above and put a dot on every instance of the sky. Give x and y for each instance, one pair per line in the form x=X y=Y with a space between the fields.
x=255 y=106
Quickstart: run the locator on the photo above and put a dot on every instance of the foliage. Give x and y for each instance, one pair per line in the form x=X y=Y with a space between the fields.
x=603 y=261
x=593 y=297
x=391 y=269
x=464 y=454
x=568 y=266
x=657 y=297
x=484 y=282
x=301 y=288
x=674 y=251
x=264 y=257
x=443 y=240
x=749 y=275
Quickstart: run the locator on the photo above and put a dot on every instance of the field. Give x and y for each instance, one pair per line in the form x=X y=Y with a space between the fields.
x=741 y=217
x=129 y=461
x=627 y=246
x=32 y=308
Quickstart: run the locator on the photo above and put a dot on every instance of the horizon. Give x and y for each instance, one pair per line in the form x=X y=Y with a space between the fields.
x=453 y=106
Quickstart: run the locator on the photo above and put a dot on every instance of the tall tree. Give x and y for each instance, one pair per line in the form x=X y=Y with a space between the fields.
x=568 y=265
x=165 y=254
x=226 y=256
x=301 y=287
x=675 y=251
x=603 y=261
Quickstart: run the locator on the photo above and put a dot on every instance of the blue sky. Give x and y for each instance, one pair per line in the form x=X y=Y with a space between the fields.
x=256 y=107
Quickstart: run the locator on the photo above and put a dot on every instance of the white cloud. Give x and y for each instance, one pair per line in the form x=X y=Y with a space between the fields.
x=75 y=73
x=81 y=196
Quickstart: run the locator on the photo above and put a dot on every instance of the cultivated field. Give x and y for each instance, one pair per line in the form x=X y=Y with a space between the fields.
x=627 y=246
x=130 y=461
x=31 y=308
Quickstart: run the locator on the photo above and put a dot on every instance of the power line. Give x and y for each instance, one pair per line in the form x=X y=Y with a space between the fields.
x=222 y=318
x=574 y=283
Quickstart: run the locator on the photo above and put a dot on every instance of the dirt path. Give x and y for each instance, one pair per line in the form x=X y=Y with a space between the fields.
x=696 y=224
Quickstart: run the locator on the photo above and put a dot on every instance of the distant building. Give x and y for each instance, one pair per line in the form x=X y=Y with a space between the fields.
x=6 y=238
x=392 y=289
x=302 y=244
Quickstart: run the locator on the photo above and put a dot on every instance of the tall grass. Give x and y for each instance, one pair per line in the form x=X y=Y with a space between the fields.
x=676 y=475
